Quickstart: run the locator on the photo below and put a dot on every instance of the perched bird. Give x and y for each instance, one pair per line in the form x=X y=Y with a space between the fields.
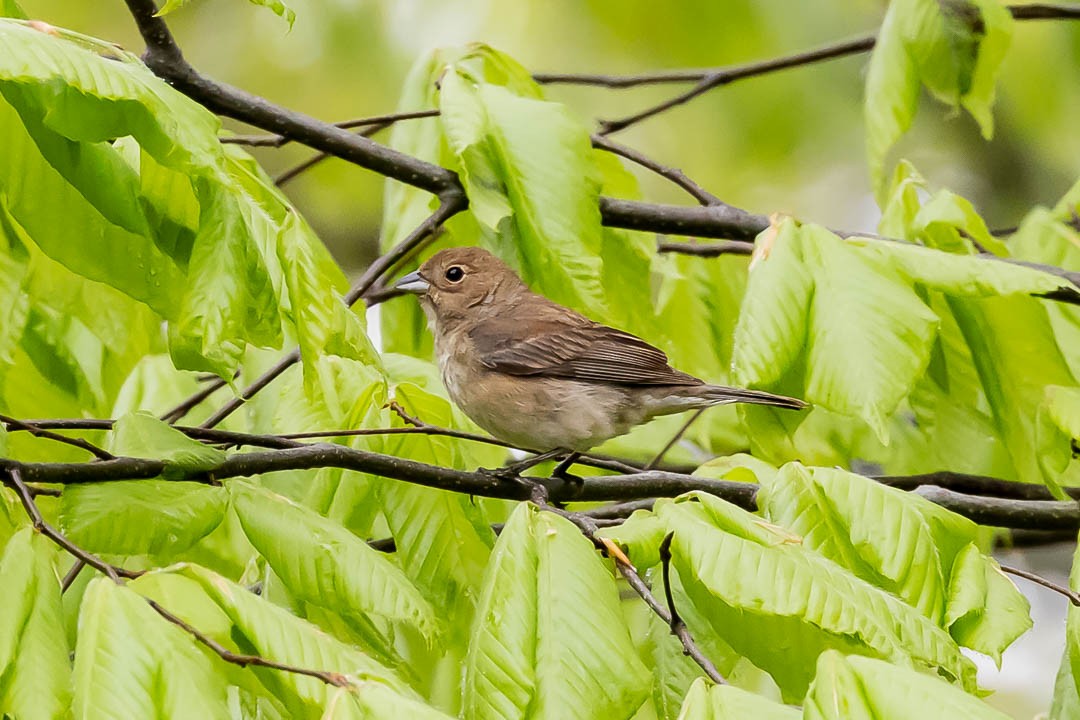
x=539 y=375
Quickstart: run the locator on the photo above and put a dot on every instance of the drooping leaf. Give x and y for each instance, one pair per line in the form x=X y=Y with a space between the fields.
x=781 y=605
x=141 y=517
x=904 y=544
x=725 y=702
x=265 y=629
x=549 y=639
x=35 y=673
x=526 y=166
x=324 y=564
x=1067 y=686
x=129 y=662
x=140 y=434
x=954 y=49
x=861 y=688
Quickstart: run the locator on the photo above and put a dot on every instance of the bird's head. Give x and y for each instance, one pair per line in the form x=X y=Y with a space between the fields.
x=461 y=283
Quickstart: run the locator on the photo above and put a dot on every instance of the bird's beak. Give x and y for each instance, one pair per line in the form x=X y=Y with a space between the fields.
x=413 y=283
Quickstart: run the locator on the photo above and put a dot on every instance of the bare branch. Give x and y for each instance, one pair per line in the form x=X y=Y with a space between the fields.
x=715 y=77
x=1072 y=596
x=675 y=175
x=178 y=412
x=13 y=424
x=674 y=439
x=276 y=141
x=165 y=59
x=15 y=480
x=678 y=627
x=330 y=678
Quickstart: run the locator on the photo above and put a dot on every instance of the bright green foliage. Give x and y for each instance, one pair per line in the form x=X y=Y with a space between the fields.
x=904 y=544
x=34 y=667
x=323 y=564
x=859 y=688
x=157 y=518
x=953 y=49
x=549 y=613
x=260 y=627
x=140 y=434
x=725 y=702
x=1067 y=687
x=137 y=248
x=129 y=662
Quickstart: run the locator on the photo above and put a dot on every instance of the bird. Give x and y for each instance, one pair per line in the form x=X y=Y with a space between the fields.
x=536 y=374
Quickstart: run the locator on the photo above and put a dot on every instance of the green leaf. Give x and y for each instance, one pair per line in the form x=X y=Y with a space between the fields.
x=772 y=328
x=443 y=540
x=959 y=275
x=85 y=243
x=871 y=333
x=141 y=517
x=860 y=688
x=324 y=564
x=35 y=672
x=276 y=6
x=129 y=662
x=14 y=300
x=549 y=612
x=781 y=605
x=140 y=434
x=985 y=611
x=892 y=93
x=262 y=628
x=725 y=702
x=1067 y=687
x=954 y=49
x=527 y=168
x=230 y=299
x=904 y=544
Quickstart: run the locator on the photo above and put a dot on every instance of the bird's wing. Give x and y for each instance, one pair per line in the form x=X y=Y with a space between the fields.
x=572 y=347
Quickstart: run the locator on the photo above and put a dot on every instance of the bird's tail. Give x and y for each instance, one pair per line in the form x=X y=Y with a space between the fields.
x=721 y=395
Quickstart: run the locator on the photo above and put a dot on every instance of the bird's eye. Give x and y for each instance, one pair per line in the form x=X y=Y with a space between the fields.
x=454 y=273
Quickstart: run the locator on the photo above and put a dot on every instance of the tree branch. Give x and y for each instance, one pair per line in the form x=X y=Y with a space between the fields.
x=996 y=512
x=165 y=59
x=1072 y=597
x=715 y=77
x=276 y=141
x=13 y=424
x=678 y=627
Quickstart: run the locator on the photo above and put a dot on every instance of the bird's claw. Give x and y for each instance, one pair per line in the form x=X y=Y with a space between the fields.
x=502 y=474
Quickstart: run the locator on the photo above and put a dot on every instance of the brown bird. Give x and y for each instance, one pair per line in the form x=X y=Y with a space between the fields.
x=539 y=375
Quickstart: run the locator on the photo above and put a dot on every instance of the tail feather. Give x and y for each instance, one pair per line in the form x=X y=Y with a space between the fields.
x=721 y=395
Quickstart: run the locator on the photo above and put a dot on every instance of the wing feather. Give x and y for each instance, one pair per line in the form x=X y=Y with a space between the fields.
x=571 y=346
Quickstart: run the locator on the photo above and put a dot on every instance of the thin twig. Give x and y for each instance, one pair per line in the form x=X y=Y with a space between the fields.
x=675 y=175
x=678 y=627
x=99 y=453
x=178 y=412
x=588 y=527
x=1072 y=596
x=14 y=479
x=724 y=76
x=314 y=160
x=71 y=574
x=276 y=141
x=330 y=678
x=674 y=439
x=711 y=78
x=164 y=58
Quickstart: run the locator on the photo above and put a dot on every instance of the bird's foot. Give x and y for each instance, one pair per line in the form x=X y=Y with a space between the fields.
x=506 y=474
